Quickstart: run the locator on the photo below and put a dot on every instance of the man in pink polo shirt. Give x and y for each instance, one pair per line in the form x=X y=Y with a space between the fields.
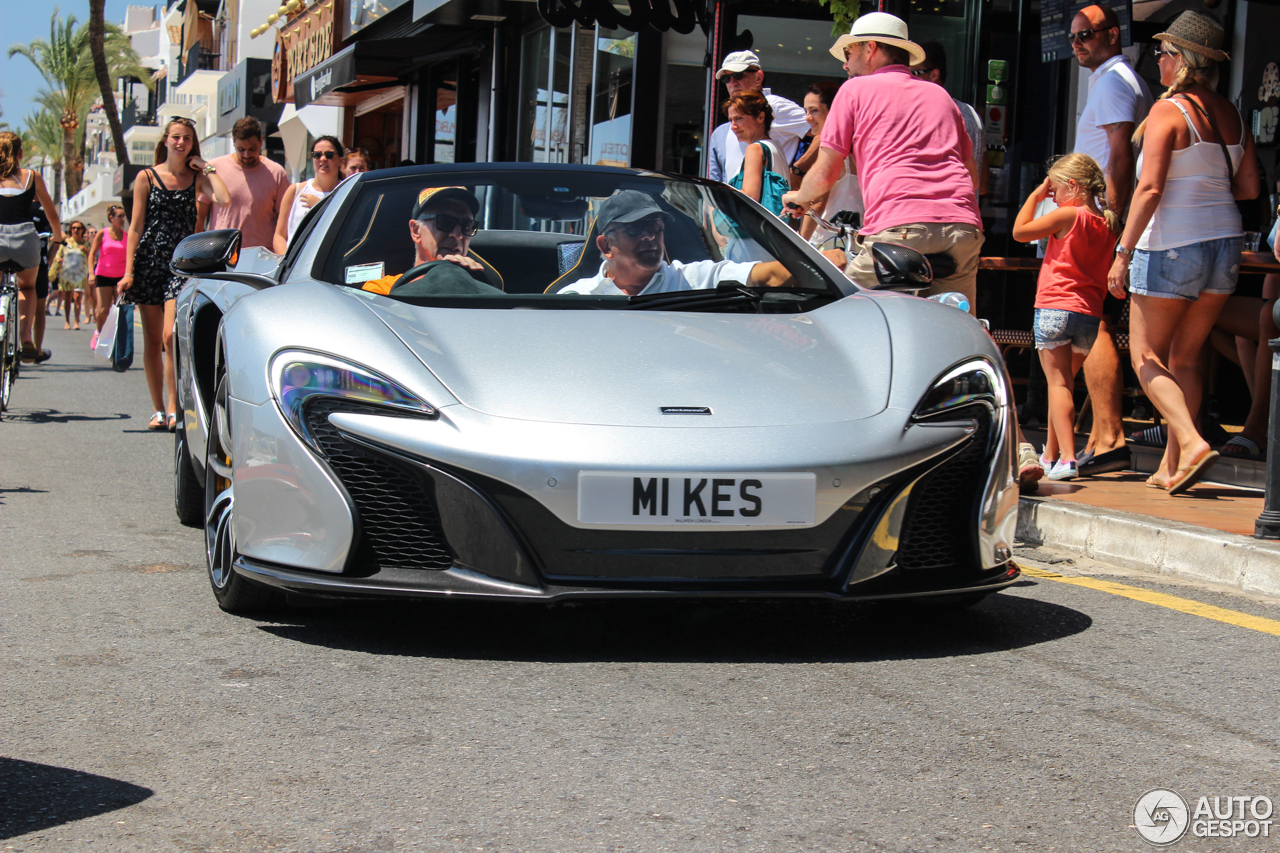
x=914 y=159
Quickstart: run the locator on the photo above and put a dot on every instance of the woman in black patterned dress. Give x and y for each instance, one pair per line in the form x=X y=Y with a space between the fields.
x=164 y=214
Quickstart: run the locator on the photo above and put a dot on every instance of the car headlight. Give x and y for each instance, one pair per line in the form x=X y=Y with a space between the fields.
x=298 y=377
x=975 y=381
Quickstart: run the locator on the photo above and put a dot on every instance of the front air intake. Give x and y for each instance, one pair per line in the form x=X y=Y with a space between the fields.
x=400 y=527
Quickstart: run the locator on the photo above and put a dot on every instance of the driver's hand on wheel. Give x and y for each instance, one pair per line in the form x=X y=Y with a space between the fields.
x=464 y=262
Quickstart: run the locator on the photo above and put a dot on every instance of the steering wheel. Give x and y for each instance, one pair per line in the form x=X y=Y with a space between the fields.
x=412 y=273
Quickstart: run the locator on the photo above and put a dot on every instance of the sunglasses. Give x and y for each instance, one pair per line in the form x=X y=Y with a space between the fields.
x=640 y=230
x=179 y=120
x=1084 y=35
x=920 y=72
x=446 y=223
x=324 y=155
x=1157 y=53
x=738 y=75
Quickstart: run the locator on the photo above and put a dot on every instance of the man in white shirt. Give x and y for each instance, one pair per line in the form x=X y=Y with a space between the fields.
x=1118 y=101
x=741 y=72
x=630 y=232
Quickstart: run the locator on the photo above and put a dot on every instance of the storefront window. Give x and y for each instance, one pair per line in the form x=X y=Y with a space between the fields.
x=611 y=99
x=794 y=54
x=446 y=122
x=547 y=56
x=685 y=102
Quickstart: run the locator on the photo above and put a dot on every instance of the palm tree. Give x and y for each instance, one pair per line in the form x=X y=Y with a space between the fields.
x=42 y=137
x=66 y=63
x=97 y=46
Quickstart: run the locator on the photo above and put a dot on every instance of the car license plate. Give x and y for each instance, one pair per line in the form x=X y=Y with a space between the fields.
x=720 y=498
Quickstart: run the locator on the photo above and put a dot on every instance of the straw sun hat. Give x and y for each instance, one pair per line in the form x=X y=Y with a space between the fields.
x=879 y=27
x=1196 y=32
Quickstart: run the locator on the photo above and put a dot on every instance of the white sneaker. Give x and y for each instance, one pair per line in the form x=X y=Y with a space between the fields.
x=1063 y=470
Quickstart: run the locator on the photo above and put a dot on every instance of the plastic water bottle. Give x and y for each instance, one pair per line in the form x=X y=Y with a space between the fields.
x=952 y=298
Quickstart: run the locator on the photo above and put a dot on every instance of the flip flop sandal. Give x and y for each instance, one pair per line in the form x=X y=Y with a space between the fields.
x=1153 y=483
x=29 y=352
x=172 y=423
x=1242 y=448
x=1150 y=437
x=157 y=422
x=1194 y=472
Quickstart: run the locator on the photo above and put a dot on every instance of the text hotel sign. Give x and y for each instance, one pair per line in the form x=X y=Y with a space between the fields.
x=301 y=46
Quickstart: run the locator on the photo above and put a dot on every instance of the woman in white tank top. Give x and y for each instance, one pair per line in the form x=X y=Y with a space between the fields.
x=1180 y=251
x=326 y=157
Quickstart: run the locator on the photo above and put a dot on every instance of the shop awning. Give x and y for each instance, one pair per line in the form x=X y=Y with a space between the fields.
x=363 y=69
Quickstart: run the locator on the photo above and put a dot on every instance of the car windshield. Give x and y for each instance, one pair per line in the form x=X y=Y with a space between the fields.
x=570 y=238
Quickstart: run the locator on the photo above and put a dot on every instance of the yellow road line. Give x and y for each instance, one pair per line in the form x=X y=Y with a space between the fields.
x=1160 y=599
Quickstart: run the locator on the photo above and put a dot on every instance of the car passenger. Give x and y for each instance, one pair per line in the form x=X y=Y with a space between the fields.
x=630 y=229
x=442 y=226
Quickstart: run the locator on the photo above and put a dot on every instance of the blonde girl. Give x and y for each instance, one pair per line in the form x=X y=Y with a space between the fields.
x=1070 y=290
x=164 y=213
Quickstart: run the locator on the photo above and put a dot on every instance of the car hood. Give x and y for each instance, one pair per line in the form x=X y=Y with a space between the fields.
x=622 y=367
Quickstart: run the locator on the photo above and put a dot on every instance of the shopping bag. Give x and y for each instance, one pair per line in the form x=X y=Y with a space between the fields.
x=122 y=346
x=107 y=336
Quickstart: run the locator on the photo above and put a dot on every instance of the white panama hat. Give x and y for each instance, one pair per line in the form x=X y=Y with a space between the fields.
x=880 y=27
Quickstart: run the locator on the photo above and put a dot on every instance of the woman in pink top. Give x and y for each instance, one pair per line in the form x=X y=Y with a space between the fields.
x=106 y=263
x=1069 y=293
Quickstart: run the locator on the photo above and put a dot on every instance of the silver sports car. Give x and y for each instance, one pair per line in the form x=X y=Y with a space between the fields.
x=541 y=382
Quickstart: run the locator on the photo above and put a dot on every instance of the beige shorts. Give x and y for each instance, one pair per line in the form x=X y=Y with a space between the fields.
x=962 y=242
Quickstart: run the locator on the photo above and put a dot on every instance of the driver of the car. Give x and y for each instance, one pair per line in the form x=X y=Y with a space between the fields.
x=630 y=228
x=441 y=228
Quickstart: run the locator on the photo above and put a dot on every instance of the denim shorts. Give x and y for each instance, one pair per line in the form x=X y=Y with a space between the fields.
x=1056 y=327
x=1211 y=266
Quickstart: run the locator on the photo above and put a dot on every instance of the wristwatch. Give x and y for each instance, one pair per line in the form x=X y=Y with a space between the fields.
x=795 y=170
x=210 y=169
x=1121 y=250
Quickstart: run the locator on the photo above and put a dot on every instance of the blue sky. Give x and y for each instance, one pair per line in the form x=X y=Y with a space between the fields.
x=24 y=22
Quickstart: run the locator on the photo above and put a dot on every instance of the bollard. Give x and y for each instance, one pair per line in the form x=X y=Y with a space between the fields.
x=1268 y=524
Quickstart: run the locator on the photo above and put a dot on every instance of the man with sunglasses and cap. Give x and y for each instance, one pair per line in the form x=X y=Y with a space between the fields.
x=913 y=156
x=741 y=72
x=1117 y=102
x=630 y=229
x=442 y=225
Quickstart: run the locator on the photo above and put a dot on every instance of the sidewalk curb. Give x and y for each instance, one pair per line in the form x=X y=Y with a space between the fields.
x=1155 y=545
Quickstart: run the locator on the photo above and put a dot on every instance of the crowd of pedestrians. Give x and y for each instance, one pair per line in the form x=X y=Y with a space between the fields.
x=127 y=261
x=1146 y=199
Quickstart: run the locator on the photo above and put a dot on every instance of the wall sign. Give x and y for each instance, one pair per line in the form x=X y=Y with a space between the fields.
x=301 y=46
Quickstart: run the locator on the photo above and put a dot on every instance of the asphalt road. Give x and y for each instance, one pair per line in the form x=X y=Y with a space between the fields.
x=138 y=716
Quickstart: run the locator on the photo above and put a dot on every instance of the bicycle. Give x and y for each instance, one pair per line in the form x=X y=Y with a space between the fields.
x=10 y=348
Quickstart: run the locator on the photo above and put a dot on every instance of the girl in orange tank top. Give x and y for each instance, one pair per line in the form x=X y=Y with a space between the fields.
x=1070 y=290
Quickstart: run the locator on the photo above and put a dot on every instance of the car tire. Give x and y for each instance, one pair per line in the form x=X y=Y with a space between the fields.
x=188 y=497
x=234 y=592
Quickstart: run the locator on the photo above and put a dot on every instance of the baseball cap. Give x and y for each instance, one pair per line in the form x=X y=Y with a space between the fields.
x=432 y=195
x=739 y=60
x=626 y=206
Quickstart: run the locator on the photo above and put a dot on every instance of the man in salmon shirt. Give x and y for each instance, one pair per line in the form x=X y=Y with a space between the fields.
x=914 y=158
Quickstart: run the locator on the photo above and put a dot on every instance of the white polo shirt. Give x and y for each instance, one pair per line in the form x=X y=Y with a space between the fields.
x=1116 y=94
x=699 y=275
